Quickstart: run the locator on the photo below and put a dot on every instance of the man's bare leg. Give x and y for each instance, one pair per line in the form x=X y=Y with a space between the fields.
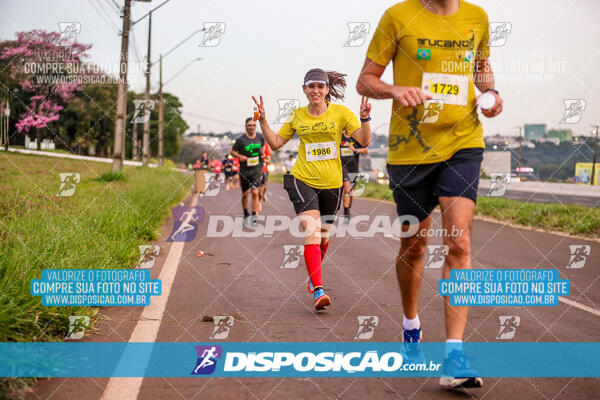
x=255 y=200
x=457 y=214
x=409 y=269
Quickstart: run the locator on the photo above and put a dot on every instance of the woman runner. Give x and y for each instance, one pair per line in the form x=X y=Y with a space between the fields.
x=315 y=182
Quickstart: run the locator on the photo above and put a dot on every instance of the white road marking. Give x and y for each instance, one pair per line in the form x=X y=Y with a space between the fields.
x=147 y=327
x=579 y=305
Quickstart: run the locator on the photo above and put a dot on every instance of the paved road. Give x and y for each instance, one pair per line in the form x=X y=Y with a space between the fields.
x=243 y=277
x=548 y=192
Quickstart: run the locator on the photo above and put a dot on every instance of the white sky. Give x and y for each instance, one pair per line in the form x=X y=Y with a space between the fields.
x=269 y=45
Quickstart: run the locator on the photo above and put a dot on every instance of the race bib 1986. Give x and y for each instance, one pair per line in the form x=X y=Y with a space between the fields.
x=252 y=161
x=320 y=151
x=451 y=89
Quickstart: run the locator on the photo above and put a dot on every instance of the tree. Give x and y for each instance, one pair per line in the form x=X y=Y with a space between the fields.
x=43 y=66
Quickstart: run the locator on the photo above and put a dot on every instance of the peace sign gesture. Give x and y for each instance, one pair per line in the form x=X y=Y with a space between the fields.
x=365 y=107
x=261 y=108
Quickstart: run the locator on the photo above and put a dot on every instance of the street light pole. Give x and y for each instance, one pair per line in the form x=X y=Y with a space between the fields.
x=146 y=136
x=183 y=69
x=594 y=159
x=161 y=117
x=6 y=121
x=520 y=151
x=119 y=137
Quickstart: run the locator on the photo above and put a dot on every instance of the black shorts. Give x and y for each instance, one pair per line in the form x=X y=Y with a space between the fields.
x=265 y=178
x=228 y=174
x=248 y=182
x=304 y=198
x=416 y=187
x=348 y=167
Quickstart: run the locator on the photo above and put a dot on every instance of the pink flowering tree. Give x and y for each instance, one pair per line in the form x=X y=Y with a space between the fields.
x=43 y=67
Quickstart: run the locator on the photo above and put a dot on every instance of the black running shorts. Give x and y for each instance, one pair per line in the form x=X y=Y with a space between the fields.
x=304 y=198
x=416 y=187
x=250 y=181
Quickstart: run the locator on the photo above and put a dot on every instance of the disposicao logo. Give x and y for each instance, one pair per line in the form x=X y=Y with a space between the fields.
x=317 y=362
x=207 y=359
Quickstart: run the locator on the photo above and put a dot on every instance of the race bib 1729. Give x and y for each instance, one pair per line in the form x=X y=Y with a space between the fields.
x=451 y=89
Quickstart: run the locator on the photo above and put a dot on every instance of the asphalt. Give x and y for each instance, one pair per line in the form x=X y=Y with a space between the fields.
x=243 y=277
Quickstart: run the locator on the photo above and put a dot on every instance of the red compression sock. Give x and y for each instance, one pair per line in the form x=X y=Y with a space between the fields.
x=312 y=258
x=324 y=247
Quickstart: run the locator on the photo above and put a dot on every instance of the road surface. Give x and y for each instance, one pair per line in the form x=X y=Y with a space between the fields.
x=242 y=277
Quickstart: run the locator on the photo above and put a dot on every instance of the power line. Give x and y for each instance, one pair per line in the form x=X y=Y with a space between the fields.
x=107 y=21
x=117 y=6
x=135 y=48
x=108 y=13
x=211 y=119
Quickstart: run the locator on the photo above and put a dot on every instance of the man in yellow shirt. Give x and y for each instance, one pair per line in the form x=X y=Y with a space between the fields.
x=439 y=50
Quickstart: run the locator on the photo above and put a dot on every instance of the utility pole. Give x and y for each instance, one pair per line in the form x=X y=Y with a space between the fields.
x=595 y=152
x=119 y=154
x=6 y=121
x=161 y=117
x=520 y=151
x=4 y=116
x=146 y=137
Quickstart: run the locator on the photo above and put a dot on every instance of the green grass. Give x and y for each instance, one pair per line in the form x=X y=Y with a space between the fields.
x=110 y=177
x=100 y=226
x=570 y=218
x=567 y=218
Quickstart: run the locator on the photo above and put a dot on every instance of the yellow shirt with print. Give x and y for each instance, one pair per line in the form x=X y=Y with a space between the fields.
x=328 y=127
x=444 y=48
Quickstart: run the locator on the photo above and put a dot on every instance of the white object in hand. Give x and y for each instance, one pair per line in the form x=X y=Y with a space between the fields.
x=486 y=101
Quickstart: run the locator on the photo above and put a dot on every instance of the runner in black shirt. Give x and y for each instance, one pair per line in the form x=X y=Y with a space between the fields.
x=350 y=151
x=249 y=148
x=228 y=169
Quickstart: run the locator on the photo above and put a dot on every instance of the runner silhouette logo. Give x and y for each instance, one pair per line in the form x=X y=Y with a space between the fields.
x=286 y=110
x=68 y=183
x=186 y=220
x=573 y=111
x=499 y=32
x=223 y=323
x=292 y=254
x=213 y=31
x=508 y=326
x=357 y=33
x=579 y=254
x=214 y=182
x=498 y=184
x=358 y=183
x=143 y=109
x=366 y=326
x=68 y=32
x=437 y=255
x=148 y=254
x=431 y=111
x=207 y=359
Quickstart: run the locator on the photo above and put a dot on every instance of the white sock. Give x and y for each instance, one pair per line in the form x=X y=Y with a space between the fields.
x=453 y=344
x=410 y=324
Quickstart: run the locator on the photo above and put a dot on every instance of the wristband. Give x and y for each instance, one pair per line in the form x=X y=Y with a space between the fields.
x=491 y=90
x=365 y=119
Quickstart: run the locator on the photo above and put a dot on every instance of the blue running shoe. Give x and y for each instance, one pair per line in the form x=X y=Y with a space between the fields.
x=412 y=347
x=309 y=286
x=321 y=299
x=456 y=372
x=412 y=335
